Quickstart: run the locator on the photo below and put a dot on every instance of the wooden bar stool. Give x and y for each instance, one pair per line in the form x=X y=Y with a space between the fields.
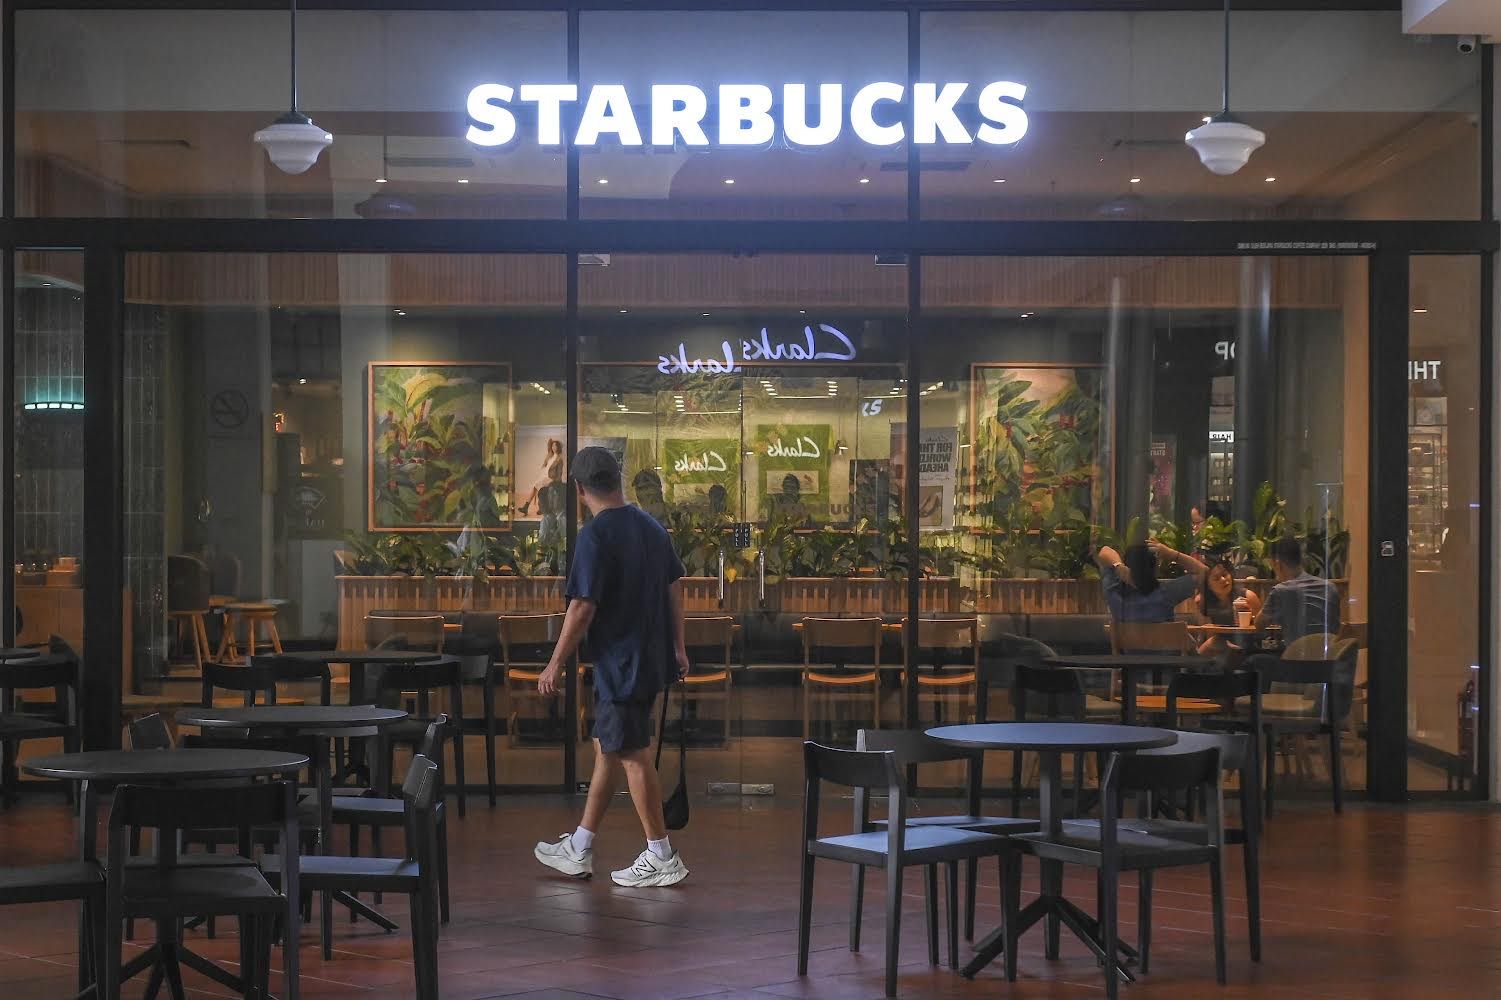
x=254 y=616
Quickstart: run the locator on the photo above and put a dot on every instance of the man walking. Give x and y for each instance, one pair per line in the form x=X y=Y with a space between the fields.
x=623 y=591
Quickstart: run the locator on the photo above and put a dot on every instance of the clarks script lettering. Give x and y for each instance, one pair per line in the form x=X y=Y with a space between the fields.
x=828 y=344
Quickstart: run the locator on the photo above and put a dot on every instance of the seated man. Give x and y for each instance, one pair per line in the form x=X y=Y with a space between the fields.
x=1301 y=603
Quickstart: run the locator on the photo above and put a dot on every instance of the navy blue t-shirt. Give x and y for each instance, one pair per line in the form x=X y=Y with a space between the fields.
x=624 y=563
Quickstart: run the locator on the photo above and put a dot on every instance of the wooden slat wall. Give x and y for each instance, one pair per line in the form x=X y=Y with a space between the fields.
x=686 y=281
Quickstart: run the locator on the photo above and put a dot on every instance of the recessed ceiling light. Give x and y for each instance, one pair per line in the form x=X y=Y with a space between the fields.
x=729 y=180
x=302 y=381
x=865 y=180
x=704 y=314
x=999 y=180
x=1420 y=311
x=604 y=180
x=46 y=284
x=1270 y=179
x=463 y=180
x=802 y=312
x=1136 y=180
x=380 y=180
x=401 y=312
x=624 y=311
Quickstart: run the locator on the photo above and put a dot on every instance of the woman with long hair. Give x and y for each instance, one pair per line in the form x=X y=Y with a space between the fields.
x=1219 y=602
x=552 y=472
x=1132 y=589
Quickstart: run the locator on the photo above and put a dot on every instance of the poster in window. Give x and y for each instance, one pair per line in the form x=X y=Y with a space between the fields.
x=542 y=479
x=439 y=440
x=702 y=474
x=937 y=467
x=1038 y=461
x=794 y=459
x=1164 y=480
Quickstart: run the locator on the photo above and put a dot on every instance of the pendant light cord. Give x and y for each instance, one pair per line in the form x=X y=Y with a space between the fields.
x=1225 y=90
x=294 y=51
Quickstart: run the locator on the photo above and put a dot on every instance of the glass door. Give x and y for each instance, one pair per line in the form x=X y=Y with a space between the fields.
x=758 y=405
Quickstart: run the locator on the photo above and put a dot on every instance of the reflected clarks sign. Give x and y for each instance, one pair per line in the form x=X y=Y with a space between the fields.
x=747 y=114
x=820 y=343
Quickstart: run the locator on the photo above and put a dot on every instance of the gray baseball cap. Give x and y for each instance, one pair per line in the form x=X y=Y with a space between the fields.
x=597 y=470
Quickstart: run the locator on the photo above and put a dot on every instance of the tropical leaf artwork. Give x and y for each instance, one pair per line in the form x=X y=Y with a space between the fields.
x=1038 y=447
x=439 y=447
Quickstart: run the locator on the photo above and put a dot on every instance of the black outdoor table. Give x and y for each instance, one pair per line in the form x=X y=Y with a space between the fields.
x=162 y=768
x=320 y=722
x=1130 y=664
x=358 y=659
x=1050 y=741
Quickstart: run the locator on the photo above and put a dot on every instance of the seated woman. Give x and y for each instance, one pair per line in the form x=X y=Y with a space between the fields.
x=1219 y=602
x=1132 y=589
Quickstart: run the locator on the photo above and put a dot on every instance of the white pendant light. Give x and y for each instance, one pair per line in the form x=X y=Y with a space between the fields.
x=1225 y=143
x=293 y=142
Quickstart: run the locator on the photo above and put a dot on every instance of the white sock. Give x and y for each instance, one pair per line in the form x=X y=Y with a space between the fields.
x=582 y=839
x=661 y=848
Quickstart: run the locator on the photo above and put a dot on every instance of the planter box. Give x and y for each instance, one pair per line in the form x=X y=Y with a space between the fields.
x=1022 y=596
x=864 y=595
x=361 y=595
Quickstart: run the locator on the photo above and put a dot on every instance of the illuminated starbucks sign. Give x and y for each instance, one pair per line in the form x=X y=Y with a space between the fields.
x=748 y=114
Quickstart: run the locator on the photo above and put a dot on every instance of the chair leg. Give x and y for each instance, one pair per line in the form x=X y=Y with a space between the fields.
x=326 y=925
x=857 y=905
x=443 y=869
x=1269 y=772
x=376 y=851
x=1109 y=881
x=1217 y=893
x=1253 y=894
x=930 y=901
x=490 y=745
x=1144 y=920
x=804 y=914
x=460 y=784
x=1011 y=894
x=953 y=912
x=893 y=922
x=1336 y=770
x=418 y=920
x=1016 y=783
x=1078 y=784
x=971 y=886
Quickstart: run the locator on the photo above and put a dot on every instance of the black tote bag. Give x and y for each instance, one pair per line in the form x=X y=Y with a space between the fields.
x=675 y=807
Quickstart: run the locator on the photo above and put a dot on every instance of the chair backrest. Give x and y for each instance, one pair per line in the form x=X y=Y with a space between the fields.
x=527 y=638
x=913 y=746
x=424 y=678
x=187 y=584
x=60 y=673
x=224 y=572
x=1358 y=631
x=1149 y=637
x=1315 y=646
x=291 y=671
x=405 y=631
x=834 y=634
x=709 y=631
x=420 y=791
x=1153 y=773
x=1235 y=749
x=1225 y=687
x=1334 y=677
x=1052 y=692
x=150 y=732
x=246 y=680
x=948 y=633
x=868 y=769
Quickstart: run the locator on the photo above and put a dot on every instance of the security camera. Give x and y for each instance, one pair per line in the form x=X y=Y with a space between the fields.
x=1466 y=43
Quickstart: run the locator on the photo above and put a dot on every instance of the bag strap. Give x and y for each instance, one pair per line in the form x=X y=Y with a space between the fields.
x=662 y=722
x=682 y=729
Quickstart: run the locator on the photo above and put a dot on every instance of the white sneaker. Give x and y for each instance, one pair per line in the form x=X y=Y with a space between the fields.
x=652 y=870
x=562 y=856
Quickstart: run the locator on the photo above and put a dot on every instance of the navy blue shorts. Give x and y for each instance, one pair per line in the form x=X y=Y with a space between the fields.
x=622 y=725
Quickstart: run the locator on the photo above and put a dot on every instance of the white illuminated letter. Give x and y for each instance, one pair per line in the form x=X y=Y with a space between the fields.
x=795 y=114
x=1010 y=121
x=933 y=112
x=608 y=110
x=678 y=108
x=862 y=117
x=745 y=115
x=549 y=98
x=491 y=124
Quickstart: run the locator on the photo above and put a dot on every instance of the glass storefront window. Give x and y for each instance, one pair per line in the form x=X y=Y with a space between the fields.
x=1361 y=120
x=1444 y=512
x=152 y=113
x=320 y=443
x=1217 y=405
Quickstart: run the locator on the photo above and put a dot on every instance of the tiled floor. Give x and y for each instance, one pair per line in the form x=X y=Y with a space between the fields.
x=1378 y=903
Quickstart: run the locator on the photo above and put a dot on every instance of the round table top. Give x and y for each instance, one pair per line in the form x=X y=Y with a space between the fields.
x=19 y=652
x=1062 y=737
x=360 y=656
x=159 y=766
x=290 y=718
x=1131 y=661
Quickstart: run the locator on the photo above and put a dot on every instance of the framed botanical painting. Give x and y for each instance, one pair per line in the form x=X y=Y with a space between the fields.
x=1040 y=457
x=441 y=448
